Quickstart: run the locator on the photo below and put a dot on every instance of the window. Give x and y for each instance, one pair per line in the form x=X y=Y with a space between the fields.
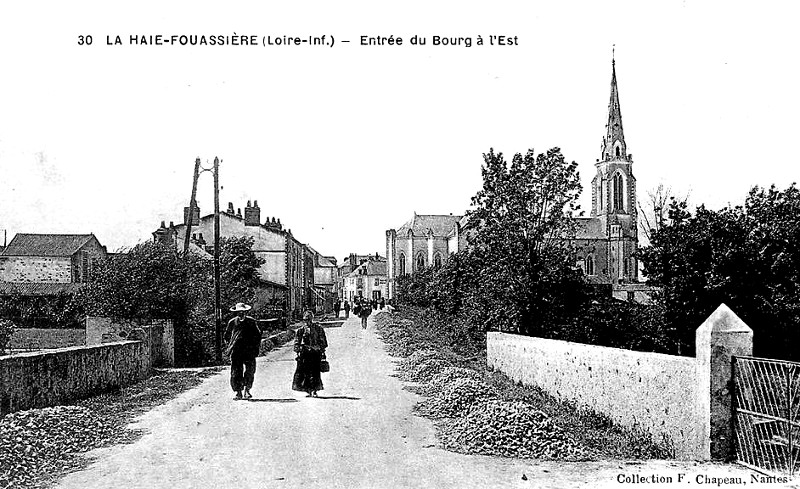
x=86 y=265
x=618 y=192
x=617 y=151
x=402 y=267
x=420 y=264
x=377 y=281
x=437 y=260
x=589 y=265
x=600 y=193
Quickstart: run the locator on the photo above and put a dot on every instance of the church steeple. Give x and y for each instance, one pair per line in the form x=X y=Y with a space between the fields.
x=614 y=147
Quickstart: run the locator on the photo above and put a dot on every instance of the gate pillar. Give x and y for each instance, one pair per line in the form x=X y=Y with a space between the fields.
x=720 y=337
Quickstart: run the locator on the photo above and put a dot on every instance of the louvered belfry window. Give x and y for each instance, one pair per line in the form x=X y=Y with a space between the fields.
x=618 y=193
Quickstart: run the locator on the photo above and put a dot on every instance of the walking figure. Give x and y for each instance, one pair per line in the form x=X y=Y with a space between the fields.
x=346 y=309
x=244 y=341
x=309 y=344
x=364 y=312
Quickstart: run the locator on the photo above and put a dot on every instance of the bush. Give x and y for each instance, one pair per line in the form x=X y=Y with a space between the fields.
x=6 y=331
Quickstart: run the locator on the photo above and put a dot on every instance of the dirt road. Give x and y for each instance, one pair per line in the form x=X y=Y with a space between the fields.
x=360 y=433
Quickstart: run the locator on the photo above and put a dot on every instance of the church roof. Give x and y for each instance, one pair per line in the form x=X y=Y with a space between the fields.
x=421 y=224
x=25 y=244
x=614 y=133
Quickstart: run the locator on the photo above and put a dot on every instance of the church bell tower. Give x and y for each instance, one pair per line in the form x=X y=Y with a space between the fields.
x=614 y=193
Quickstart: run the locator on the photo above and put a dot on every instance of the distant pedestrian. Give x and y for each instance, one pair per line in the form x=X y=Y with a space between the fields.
x=364 y=314
x=382 y=303
x=336 y=307
x=374 y=304
x=244 y=341
x=309 y=344
x=346 y=309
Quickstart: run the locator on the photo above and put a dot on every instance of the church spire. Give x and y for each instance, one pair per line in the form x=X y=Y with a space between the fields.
x=614 y=147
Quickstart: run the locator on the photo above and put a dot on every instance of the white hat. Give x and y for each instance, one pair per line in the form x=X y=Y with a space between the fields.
x=240 y=306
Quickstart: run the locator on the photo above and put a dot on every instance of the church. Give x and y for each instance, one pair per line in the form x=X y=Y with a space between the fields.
x=605 y=242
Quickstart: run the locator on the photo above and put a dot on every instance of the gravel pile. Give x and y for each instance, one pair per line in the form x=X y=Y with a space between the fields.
x=424 y=371
x=426 y=355
x=445 y=378
x=383 y=318
x=398 y=339
x=39 y=442
x=509 y=429
x=455 y=399
x=37 y=446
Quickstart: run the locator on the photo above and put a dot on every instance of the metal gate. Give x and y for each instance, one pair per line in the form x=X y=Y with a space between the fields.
x=766 y=404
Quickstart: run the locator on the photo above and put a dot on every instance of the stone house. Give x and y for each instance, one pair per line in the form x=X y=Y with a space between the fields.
x=41 y=271
x=287 y=274
x=50 y=258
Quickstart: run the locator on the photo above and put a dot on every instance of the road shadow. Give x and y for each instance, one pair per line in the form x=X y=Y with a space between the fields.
x=271 y=400
x=340 y=397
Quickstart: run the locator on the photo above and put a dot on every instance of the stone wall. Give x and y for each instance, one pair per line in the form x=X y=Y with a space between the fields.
x=46 y=338
x=158 y=335
x=33 y=380
x=685 y=402
x=635 y=389
x=35 y=269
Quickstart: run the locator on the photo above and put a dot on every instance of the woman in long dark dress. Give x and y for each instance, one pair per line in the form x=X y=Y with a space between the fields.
x=309 y=344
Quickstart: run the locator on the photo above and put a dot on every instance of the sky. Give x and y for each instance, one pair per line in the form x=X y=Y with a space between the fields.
x=343 y=142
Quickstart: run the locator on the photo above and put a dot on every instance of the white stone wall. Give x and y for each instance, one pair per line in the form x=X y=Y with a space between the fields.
x=650 y=391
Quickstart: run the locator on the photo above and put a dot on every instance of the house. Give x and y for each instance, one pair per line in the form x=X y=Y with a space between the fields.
x=42 y=271
x=350 y=263
x=287 y=274
x=325 y=278
x=49 y=259
x=367 y=280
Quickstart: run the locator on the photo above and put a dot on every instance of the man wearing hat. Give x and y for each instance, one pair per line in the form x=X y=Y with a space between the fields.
x=244 y=341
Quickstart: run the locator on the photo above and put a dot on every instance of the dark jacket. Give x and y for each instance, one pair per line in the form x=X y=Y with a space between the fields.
x=243 y=337
x=310 y=338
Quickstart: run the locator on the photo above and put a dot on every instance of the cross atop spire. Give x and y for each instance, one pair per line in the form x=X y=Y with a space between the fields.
x=614 y=147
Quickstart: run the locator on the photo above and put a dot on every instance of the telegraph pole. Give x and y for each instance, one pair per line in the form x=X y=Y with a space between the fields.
x=217 y=308
x=192 y=206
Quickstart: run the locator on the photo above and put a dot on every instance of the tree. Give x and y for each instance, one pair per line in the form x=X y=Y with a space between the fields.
x=654 y=212
x=527 y=278
x=746 y=257
x=239 y=266
x=154 y=280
